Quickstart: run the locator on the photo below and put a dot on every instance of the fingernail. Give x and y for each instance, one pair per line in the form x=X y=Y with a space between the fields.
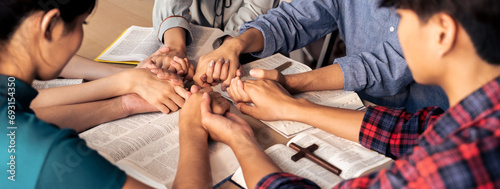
x=155 y=71
x=223 y=88
x=161 y=75
x=212 y=63
x=221 y=59
x=227 y=61
x=252 y=72
x=175 y=80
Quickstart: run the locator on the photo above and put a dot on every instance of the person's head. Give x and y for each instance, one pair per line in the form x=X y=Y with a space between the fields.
x=435 y=34
x=43 y=34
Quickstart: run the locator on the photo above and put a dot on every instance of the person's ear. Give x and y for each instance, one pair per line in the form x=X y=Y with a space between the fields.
x=49 y=22
x=446 y=33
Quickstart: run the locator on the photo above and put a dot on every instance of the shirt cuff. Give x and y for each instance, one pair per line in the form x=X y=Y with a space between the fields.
x=218 y=42
x=377 y=128
x=174 y=22
x=354 y=78
x=284 y=180
x=269 y=40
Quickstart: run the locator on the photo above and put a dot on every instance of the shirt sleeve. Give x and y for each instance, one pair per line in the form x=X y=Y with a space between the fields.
x=293 y=25
x=70 y=162
x=170 y=14
x=248 y=12
x=284 y=180
x=385 y=71
x=392 y=132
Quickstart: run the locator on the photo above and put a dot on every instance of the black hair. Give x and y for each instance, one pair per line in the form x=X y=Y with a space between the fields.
x=479 y=18
x=13 y=12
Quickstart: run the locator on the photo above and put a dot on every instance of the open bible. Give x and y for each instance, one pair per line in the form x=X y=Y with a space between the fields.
x=351 y=158
x=146 y=147
x=138 y=43
x=332 y=98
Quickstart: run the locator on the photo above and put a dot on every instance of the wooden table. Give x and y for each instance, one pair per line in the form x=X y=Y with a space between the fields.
x=112 y=17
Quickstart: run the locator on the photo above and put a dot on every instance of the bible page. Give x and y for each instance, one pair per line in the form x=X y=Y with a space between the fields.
x=352 y=158
x=146 y=147
x=38 y=85
x=281 y=155
x=135 y=44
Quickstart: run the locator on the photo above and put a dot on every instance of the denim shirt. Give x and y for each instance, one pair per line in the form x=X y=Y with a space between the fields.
x=374 y=66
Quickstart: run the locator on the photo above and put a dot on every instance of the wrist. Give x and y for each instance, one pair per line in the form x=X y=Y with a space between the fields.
x=295 y=109
x=242 y=141
x=234 y=44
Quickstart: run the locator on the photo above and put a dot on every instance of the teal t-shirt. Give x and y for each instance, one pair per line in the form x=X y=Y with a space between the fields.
x=35 y=154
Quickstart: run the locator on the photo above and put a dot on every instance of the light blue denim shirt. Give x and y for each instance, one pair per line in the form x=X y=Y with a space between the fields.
x=374 y=66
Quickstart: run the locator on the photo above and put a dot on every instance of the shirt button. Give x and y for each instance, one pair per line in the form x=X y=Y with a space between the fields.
x=391 y=29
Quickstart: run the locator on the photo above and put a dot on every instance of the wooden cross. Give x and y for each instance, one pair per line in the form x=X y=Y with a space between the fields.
x=309 y=154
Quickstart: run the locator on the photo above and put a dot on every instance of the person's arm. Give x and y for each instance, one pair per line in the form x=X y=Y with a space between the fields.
x=193 y=169
x=280 y=32
x=237 y=134
x=326 y=78
x=82 y=68
x=158 y=92
x=83 y=116
x=374 y=128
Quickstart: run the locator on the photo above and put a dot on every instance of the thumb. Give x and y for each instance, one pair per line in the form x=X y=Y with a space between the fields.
x=246 y=109
x=264 y=74
x=205 y=105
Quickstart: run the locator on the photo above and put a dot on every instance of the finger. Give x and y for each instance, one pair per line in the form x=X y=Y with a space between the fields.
x=162 y=108
x=205 y=105
x=217 y=69
x=235 y=118
x=190 y=74
x=210 y=71
x=241 y=90
x=177 y=66
x=182 y=62
x=240 y=72
x=246 y=109
x=158 y=63
x=225 y=70
x=170 y=105
x=264 y=74
x=172 y=69
x=231 y=74
x=235 y=95
x=182 y=92
x=195 y=89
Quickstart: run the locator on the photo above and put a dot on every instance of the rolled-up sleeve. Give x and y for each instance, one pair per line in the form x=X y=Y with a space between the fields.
x=293 y=25
x=384 y=73
x=170 y=14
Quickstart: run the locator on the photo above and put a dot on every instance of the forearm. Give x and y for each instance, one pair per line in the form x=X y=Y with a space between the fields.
x=175 y=39
x=340 y=122
x=81 y=117
x=193 y=170
x=82 y=68
x=100 y=89
x=249 y=41
x=254 y=162
x=326 y=78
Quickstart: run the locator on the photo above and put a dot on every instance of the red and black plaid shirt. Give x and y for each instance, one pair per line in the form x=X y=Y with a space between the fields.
x=459 y=148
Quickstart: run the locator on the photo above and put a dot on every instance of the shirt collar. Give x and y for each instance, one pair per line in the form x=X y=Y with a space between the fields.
x=23 y=92
x=475 y=106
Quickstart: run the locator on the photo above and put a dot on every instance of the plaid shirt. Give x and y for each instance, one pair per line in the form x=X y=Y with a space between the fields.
x=459 y=148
